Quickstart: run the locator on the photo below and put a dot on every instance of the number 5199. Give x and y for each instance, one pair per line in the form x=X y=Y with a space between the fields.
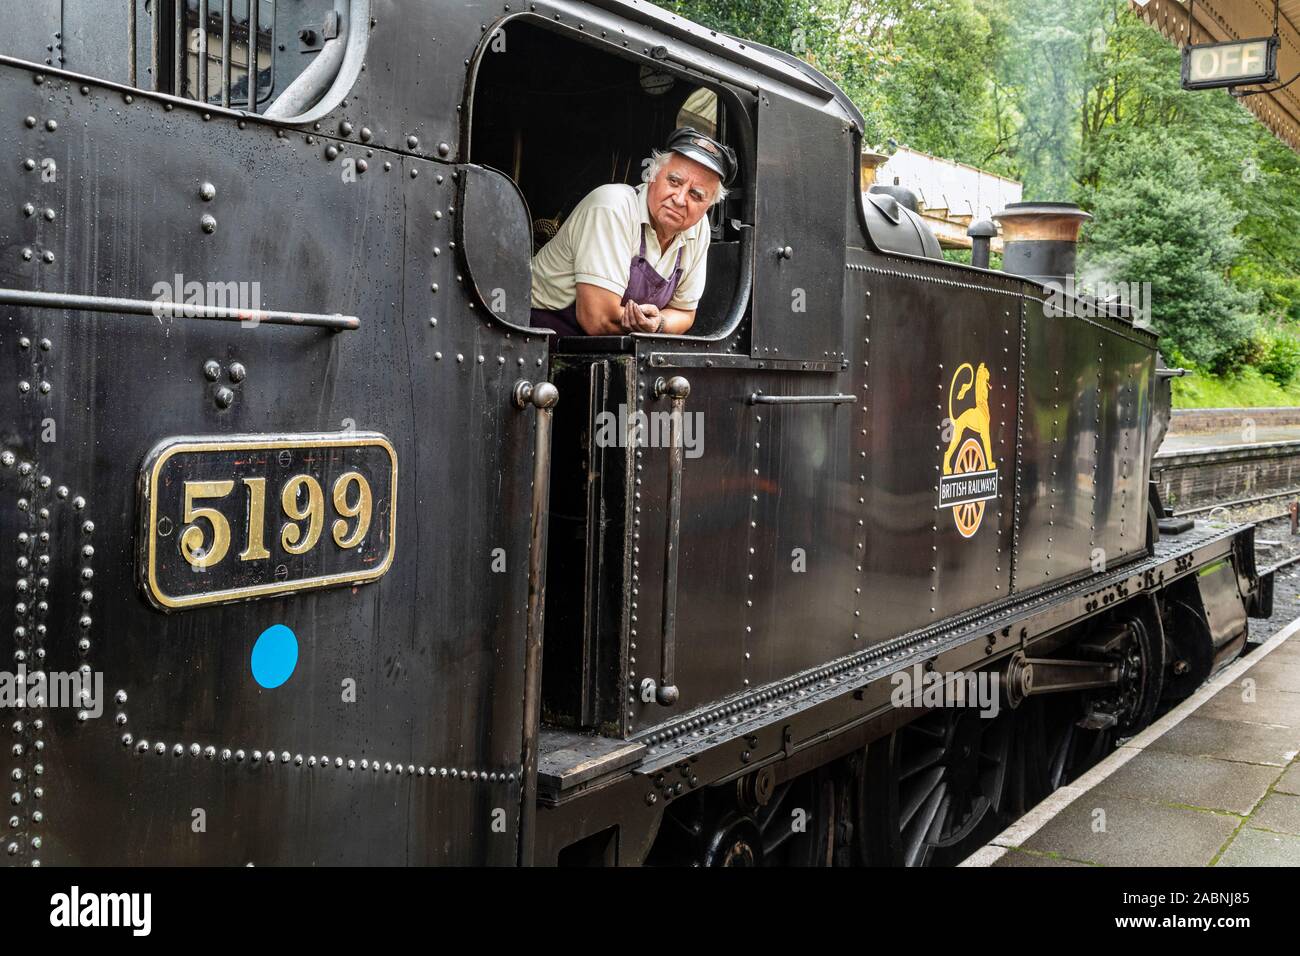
x=303 y=505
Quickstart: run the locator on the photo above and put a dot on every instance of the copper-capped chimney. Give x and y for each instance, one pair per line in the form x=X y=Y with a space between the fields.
x=1041 y=239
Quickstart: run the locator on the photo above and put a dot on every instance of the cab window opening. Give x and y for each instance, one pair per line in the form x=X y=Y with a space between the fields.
x=562 y=117
x=198 y=62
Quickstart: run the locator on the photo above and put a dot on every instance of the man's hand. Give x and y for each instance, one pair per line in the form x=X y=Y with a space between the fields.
x=600 y=312
x=640 y=318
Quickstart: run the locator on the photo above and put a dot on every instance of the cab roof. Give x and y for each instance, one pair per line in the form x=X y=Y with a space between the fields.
x=765 y=60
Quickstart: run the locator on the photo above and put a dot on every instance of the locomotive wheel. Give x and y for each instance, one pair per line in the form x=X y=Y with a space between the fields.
x=1143 y=667
x=737 y=842
x=1190 y=649
x=1059 y=750
x=1064 y=746
x=938 y=788
x=798 y=824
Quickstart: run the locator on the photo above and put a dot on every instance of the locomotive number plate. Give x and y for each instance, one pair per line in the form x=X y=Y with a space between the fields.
x=248 y=516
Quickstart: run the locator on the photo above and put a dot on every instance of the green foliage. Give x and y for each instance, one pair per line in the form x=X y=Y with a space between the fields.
x=936 y=78
x=1051 y=42
x=1170 y=228
x=1247 y=389
x=1080 y=100
x=1279 y=295
x=964 y=255
x=916 y=68
x=1281 y=354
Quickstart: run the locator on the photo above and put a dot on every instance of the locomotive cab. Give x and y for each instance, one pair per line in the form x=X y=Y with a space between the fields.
x=557 y=112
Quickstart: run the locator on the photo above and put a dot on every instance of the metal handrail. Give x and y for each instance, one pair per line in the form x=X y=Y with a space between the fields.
x=543 y=396
x=177 y=310
x=201 y=70
x=758 y=398
x=313 y=82
x=666 y=692
x=254 y=14
x=226 y=19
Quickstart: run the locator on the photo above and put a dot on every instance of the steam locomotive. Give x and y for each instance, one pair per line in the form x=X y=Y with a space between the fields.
x=317 y=554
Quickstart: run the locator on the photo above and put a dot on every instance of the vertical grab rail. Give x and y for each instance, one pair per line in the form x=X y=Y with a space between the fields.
x=543 y=397
x=179 y=49
x=131 y=17
x=156 y=28
x=201 y=68
x=226 y=16
x=254 y=28
x=665 y=692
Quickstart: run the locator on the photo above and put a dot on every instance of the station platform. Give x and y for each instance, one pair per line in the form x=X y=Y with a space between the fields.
x=1215 y=456
x=1230 y=438
x=1215 y=782
x=1214 y=429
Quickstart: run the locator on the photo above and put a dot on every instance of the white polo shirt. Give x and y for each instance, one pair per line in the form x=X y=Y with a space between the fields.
x=596 y=245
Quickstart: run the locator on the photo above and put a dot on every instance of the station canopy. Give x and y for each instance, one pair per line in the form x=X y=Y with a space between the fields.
x=950 y=195
x=1220 y=21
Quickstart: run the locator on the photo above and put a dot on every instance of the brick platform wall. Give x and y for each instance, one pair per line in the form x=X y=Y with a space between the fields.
x=1189 y=421
x=1192 y=479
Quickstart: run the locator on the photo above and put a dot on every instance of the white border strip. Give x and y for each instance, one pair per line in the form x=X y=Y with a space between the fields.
x=1020 y=831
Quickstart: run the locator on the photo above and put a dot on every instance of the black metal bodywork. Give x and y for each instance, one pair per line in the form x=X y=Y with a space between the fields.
x=813 y=556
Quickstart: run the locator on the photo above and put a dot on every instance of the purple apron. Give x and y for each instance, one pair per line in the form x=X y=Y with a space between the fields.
x=645 y=286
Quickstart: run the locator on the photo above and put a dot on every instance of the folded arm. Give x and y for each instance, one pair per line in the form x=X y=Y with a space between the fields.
x=600 y=313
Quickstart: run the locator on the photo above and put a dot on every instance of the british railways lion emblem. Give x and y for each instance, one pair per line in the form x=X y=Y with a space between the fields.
x=970 y=475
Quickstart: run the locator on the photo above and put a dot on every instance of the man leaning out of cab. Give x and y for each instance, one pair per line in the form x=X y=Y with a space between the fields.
x=633 y=259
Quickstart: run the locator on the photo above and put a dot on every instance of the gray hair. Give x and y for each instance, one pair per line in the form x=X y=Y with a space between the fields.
x=659 y=159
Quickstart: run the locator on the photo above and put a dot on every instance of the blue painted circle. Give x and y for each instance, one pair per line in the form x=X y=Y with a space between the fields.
x=275 y=655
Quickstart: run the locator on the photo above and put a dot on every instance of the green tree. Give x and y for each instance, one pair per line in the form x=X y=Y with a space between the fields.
x=1270 y=229
x=1079 y=99
x=1168 y=227
x=934 y=87
x=917 y=69
x=1046 y=63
